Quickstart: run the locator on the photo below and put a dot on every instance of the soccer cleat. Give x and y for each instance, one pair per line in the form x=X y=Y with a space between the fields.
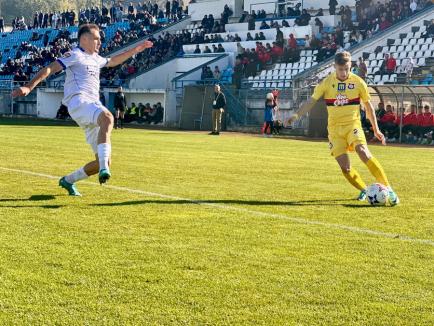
x=362 y=196
x=104 y=176
x=70 y=187
x=393 y=198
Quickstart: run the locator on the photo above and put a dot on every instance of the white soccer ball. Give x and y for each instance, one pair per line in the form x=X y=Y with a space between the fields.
x=377 y=194
x=270 y=96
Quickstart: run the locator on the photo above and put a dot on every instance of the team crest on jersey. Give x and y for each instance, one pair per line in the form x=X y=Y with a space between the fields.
x=341 y=100
x=341 y=86
x=67 y=55
x=351 y=86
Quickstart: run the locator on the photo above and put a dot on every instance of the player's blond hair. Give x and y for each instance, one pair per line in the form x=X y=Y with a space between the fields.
x=342 y=58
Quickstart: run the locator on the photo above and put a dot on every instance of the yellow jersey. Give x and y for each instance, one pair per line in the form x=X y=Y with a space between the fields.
x=342 y=98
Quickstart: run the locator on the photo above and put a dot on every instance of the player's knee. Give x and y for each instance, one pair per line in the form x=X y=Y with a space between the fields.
x=364 y=153
x=106 y=118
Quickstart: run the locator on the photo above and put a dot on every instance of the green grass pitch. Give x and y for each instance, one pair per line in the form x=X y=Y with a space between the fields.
x=202 y=230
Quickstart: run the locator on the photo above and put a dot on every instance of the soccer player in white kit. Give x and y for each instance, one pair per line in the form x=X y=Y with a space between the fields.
x=81 y=96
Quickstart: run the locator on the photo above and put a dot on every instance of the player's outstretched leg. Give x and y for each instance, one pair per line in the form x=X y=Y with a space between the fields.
x=105 y=123
x=352 y=175
x=68 y=182
x=377 y=171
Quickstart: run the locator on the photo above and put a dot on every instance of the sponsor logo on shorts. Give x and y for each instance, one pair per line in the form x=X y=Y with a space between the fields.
x=356 y=131
x=330 y=145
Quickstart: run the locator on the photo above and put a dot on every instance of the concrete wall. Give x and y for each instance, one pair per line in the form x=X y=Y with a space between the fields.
x=49 y=99
x=215 y=7
x=161 y=77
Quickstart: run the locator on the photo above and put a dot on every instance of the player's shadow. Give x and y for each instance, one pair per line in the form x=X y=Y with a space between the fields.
x=321 y=202
x=33 y=198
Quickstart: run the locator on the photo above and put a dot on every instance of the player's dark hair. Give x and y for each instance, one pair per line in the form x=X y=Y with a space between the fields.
x=342 y=58
x=86 y=28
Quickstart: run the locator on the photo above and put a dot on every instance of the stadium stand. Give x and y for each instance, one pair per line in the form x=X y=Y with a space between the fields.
x=27 y=48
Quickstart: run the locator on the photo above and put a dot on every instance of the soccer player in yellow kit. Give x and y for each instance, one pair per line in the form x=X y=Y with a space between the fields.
x=343 y=92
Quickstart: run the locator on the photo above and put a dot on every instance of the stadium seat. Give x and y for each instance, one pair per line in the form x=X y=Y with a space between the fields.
x=421 y=62
x=385 y=78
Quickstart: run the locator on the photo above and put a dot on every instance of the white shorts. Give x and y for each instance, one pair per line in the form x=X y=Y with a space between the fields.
x=86 y=113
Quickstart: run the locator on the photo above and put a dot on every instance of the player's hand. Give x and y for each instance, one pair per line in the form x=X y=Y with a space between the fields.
x=21 y=91
x=379 y=135
x=293 y=118
x=143 y=46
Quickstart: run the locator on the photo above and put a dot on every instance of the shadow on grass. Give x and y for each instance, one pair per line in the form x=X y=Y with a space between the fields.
x=31 y=198
x=35 y=206
x=25 y=122
x=323 y=202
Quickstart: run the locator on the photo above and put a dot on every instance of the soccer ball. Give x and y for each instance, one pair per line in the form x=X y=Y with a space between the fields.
x=377 y=194
x=270 y=96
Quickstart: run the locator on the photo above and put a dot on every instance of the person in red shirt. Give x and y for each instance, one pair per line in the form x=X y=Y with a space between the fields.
x=425 y=121
x=390 y=64
x=409 y=121
x=387 y=122
x=276 y=51
x=384 y=24
x=292 y=42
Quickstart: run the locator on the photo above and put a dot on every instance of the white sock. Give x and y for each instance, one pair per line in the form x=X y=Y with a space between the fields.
x=76 y=176
x=104 y=152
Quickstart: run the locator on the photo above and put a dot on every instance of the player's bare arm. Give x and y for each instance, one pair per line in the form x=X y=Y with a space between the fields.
x=120 y=58
x=305 y=108
x=370 y=114
x=43 y=74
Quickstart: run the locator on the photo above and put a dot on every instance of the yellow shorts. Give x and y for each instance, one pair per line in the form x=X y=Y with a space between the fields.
x=344 y=139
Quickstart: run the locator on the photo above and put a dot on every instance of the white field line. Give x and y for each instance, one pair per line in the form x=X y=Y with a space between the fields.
x=353 y=229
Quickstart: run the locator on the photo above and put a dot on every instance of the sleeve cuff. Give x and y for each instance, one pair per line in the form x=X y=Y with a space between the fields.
x=61 y=63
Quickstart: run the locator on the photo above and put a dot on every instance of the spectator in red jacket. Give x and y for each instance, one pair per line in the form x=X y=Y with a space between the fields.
x=292 y=42
x=387 y=122
x=384 y=23
x=390 y=64
x=409 y=121
x=425 y=121
x=276 y=51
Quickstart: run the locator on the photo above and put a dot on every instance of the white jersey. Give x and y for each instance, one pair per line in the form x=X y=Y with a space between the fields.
x=82 y=74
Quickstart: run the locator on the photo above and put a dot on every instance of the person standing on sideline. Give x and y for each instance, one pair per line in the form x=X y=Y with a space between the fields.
x=81 y=96
x=332 y=6
x=270 y=105
x=120 y=105
x=218 y=106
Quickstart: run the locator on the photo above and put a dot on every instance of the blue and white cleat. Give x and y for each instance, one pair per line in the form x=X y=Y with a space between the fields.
x=104 y=176
x=70 y=187
x=362 y=196
x=393 y=198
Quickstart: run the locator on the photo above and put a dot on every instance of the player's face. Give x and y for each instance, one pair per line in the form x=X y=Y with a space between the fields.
x=343 y=71
x=96 y=40
x=91 y=42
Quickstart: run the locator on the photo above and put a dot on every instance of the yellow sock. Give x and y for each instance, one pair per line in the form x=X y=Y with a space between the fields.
x=377 y=171
x=355 y=179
